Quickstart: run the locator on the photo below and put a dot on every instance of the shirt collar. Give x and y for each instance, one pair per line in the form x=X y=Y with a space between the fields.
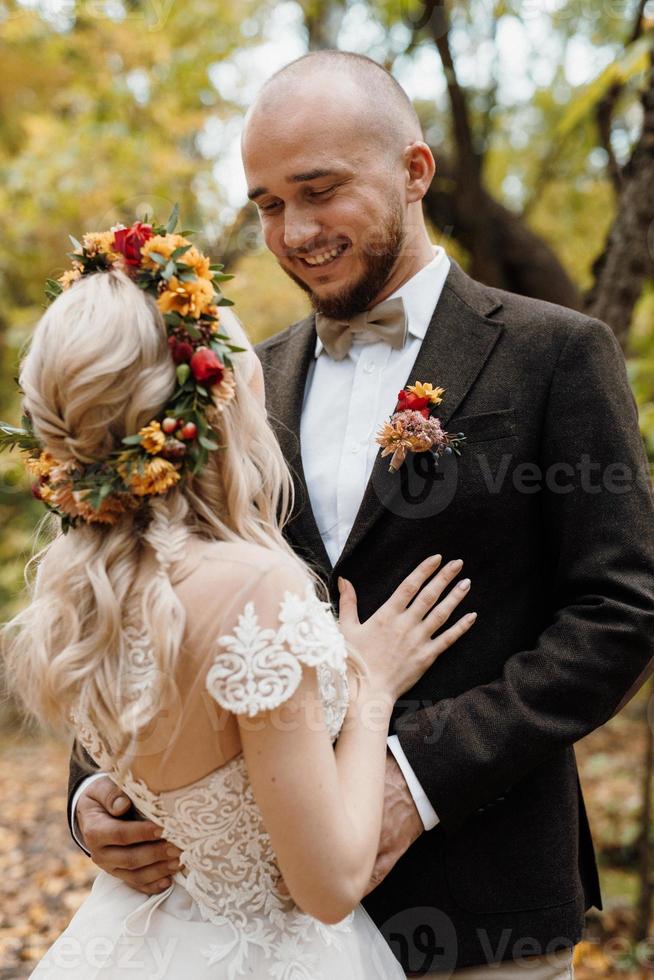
x=420 y=295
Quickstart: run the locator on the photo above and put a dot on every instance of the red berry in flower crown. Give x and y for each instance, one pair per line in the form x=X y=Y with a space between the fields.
x=169 y=425
x=173 y=449
x=188 y=431
x=207 y=367
x=182 y=352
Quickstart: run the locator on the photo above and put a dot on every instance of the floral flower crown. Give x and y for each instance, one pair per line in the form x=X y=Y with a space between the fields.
x=186 y=288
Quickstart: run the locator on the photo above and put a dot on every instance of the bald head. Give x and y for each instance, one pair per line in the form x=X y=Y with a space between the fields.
x=351 y=84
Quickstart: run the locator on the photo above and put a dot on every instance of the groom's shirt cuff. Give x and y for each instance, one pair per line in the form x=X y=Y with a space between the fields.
x=74 y=829
x=423 y=806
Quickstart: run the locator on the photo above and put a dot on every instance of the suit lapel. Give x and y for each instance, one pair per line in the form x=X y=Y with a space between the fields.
x=459 y=340
x=285 y=383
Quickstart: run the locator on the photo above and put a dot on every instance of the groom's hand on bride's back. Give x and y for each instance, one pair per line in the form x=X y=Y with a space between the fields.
x=132 y=850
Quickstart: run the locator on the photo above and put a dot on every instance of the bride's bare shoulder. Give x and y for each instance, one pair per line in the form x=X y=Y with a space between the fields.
x=237 y=566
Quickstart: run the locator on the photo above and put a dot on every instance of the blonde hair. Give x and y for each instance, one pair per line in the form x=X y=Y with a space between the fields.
x=98 y=369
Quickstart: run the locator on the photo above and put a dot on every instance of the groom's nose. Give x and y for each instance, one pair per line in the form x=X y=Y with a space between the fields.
x=300 y=227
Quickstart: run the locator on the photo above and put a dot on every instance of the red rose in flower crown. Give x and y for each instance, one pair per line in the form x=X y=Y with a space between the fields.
x=129 y=241
x=207 y=367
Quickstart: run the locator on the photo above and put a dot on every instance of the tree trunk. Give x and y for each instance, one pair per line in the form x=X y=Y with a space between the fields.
x=504 y=251
x=628 y=257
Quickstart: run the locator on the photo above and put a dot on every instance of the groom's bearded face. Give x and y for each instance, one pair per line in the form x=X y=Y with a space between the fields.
x=377 y=257
x=330 y=202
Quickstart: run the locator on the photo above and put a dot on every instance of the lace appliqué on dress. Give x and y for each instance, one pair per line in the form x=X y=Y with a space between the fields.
x=229 y=866
x=261 y=668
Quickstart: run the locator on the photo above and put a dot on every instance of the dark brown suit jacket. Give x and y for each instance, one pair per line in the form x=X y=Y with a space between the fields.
x=551 y=509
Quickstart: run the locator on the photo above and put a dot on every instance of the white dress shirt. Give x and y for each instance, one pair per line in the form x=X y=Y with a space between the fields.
x=345 y=403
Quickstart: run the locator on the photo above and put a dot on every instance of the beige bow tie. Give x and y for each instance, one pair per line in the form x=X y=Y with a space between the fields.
x=387 y=322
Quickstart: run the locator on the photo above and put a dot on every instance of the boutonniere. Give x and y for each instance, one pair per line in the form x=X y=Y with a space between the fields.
x=413 y=428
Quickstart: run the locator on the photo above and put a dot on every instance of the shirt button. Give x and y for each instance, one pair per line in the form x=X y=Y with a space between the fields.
x=355 y=447
x=368 y=367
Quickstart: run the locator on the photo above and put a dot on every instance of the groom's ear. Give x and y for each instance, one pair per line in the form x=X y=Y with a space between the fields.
x=420 y=168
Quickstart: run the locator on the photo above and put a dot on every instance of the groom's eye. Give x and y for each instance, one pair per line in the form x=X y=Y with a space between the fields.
x=268 y=208
x=322 y=193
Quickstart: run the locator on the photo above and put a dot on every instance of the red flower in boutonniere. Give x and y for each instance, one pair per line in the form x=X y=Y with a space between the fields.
x=412 y=428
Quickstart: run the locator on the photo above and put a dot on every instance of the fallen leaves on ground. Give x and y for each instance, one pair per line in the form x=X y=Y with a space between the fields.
x=44 y=877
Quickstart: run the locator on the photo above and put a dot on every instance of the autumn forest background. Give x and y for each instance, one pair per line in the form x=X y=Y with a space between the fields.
x=541 y=117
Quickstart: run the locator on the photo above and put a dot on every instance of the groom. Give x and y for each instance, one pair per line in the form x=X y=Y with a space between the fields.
x=485 y=854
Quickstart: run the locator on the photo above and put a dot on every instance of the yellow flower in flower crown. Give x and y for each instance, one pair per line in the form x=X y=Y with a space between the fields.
x=424 y=389
x=186 y=298
x=157 y=477
x=100 y=241
x=41 y=465
x=152 y=438
x=163 y=245
x=198 y=262
x=69 y=277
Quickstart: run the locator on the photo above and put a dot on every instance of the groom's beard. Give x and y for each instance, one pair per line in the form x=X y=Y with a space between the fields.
x=380 y=255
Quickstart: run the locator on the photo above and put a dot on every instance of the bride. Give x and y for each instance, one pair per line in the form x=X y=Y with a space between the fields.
x=189 y=650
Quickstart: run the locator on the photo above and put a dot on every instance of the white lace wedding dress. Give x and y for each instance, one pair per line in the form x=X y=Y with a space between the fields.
x=222 y=916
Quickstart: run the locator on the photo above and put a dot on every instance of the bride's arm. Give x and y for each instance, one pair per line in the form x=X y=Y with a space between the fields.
x=322 y=808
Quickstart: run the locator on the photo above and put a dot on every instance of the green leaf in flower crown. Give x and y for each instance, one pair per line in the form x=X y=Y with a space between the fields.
x=221 y=277
x=169 y=270
x=187 y=277
x=223 y=301
x=160 y=259
x=76 y=245
x=179 y=251
x=53 y=288
x=172 y=319
x=172 y=220
x=202 y=391
x=191 y=329
x=208 y=443
x=12 y=437
x=134 y=440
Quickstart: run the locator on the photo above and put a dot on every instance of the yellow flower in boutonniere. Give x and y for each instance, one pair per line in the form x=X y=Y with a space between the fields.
x=152 y=438
x=424 y=389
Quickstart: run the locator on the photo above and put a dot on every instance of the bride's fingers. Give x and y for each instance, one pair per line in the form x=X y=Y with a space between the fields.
x=432 y=592
x=440 y=614
x=411 y=585
x=448 y=637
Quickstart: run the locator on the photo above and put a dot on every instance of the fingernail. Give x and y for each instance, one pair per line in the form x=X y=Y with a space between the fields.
x=464 y=585
x=158 y=832
x=171 y=851
x=164 y=883
x=471 y=617
x=340 y=582
x=457 y=564
x=119 y=803
x=173 y=865
x=437 y=558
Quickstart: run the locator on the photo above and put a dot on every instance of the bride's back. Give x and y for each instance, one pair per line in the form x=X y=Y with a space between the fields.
x=190 y=735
